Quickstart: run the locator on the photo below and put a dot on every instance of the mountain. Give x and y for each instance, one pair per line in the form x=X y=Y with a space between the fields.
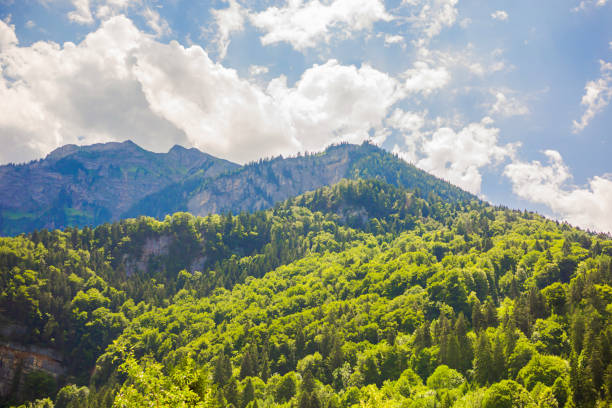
x=90 y=185
x=358 y=294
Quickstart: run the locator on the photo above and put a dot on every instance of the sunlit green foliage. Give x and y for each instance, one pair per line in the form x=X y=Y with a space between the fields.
x=359 y=294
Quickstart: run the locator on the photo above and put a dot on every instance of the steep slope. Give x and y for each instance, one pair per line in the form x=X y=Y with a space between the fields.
x=262 y=184
x=93 y=184
x=90 y=185
x=357 y=294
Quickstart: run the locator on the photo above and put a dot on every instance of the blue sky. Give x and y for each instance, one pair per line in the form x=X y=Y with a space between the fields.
x=507 y=99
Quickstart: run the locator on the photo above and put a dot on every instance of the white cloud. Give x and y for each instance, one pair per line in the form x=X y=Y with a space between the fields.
x=588 y=207
x=596 y=97
x=219 y=112
x=459 y=156
x=155 y=22
x=410 y=125
x=30 y=24
x=463 y=59
x=431 y=17
x=81 y=13
x=332 y=102
x=120 y=83
x=51 y=95
x=499 y=15
x=410 y=122
x=87 y=11
x=585 y=4
x=506 y=106
x=228 y=20
x=255 y=70
x=8 y=38
x=465 y=23
x=109 y=8
x=422 y=78
x=394 y=39
x=306 y=24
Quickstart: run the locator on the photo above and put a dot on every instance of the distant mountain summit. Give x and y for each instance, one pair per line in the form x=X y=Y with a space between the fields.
x=91 y=185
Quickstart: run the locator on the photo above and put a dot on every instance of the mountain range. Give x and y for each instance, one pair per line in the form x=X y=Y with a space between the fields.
x=91 y=185
x=342 y=279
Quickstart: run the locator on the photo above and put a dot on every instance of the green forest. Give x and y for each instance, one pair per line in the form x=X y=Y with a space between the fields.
x=361 y=294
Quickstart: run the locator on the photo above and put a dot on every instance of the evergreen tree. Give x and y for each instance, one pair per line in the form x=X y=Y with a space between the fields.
x=478 y=320
x=483 y=359
x=248 y=394
x=223 y=369
x=465 y=351
x=230 y=391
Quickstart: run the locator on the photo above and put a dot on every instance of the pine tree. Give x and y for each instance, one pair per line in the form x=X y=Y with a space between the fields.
x=465 y=351
x=483 y=359
x=248 y=394
x=248 y=367
x=490 y=313
x=231 y=392
x=223 y=370
x=265 y=366
x=478 y=320
x=498 y=364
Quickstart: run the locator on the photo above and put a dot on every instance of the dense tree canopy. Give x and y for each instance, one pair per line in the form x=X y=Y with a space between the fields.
x=359 y=294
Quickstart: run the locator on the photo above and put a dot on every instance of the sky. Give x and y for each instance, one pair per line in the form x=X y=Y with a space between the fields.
x=508 y=99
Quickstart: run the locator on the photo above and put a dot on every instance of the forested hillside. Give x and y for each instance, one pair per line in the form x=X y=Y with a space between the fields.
x=361 y=294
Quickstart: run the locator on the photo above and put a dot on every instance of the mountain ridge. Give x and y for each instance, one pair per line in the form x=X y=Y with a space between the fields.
x=89 y=185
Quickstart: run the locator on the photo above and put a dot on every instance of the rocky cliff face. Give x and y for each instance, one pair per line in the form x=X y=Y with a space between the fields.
x=17 y=361
x=261 y=185
x=94 y=184
x=106 y=182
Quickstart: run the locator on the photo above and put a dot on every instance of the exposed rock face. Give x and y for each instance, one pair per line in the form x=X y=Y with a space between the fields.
x=153 y=247
x=94 y=184
x=106 y=182
x=17 y=361
x=260 y=186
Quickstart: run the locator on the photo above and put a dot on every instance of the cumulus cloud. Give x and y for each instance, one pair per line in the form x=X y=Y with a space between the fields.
x=597 y=95
x=228 y=20
x=499 y=15
x=219 y=112
x=7 y=36
x=459 y=156
x=454 y=155
x=423 y=78
x=588 y=207
x=333 y=102
x=121 y=83
x=306 y=24
x=506 y=106
x=52 y=95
